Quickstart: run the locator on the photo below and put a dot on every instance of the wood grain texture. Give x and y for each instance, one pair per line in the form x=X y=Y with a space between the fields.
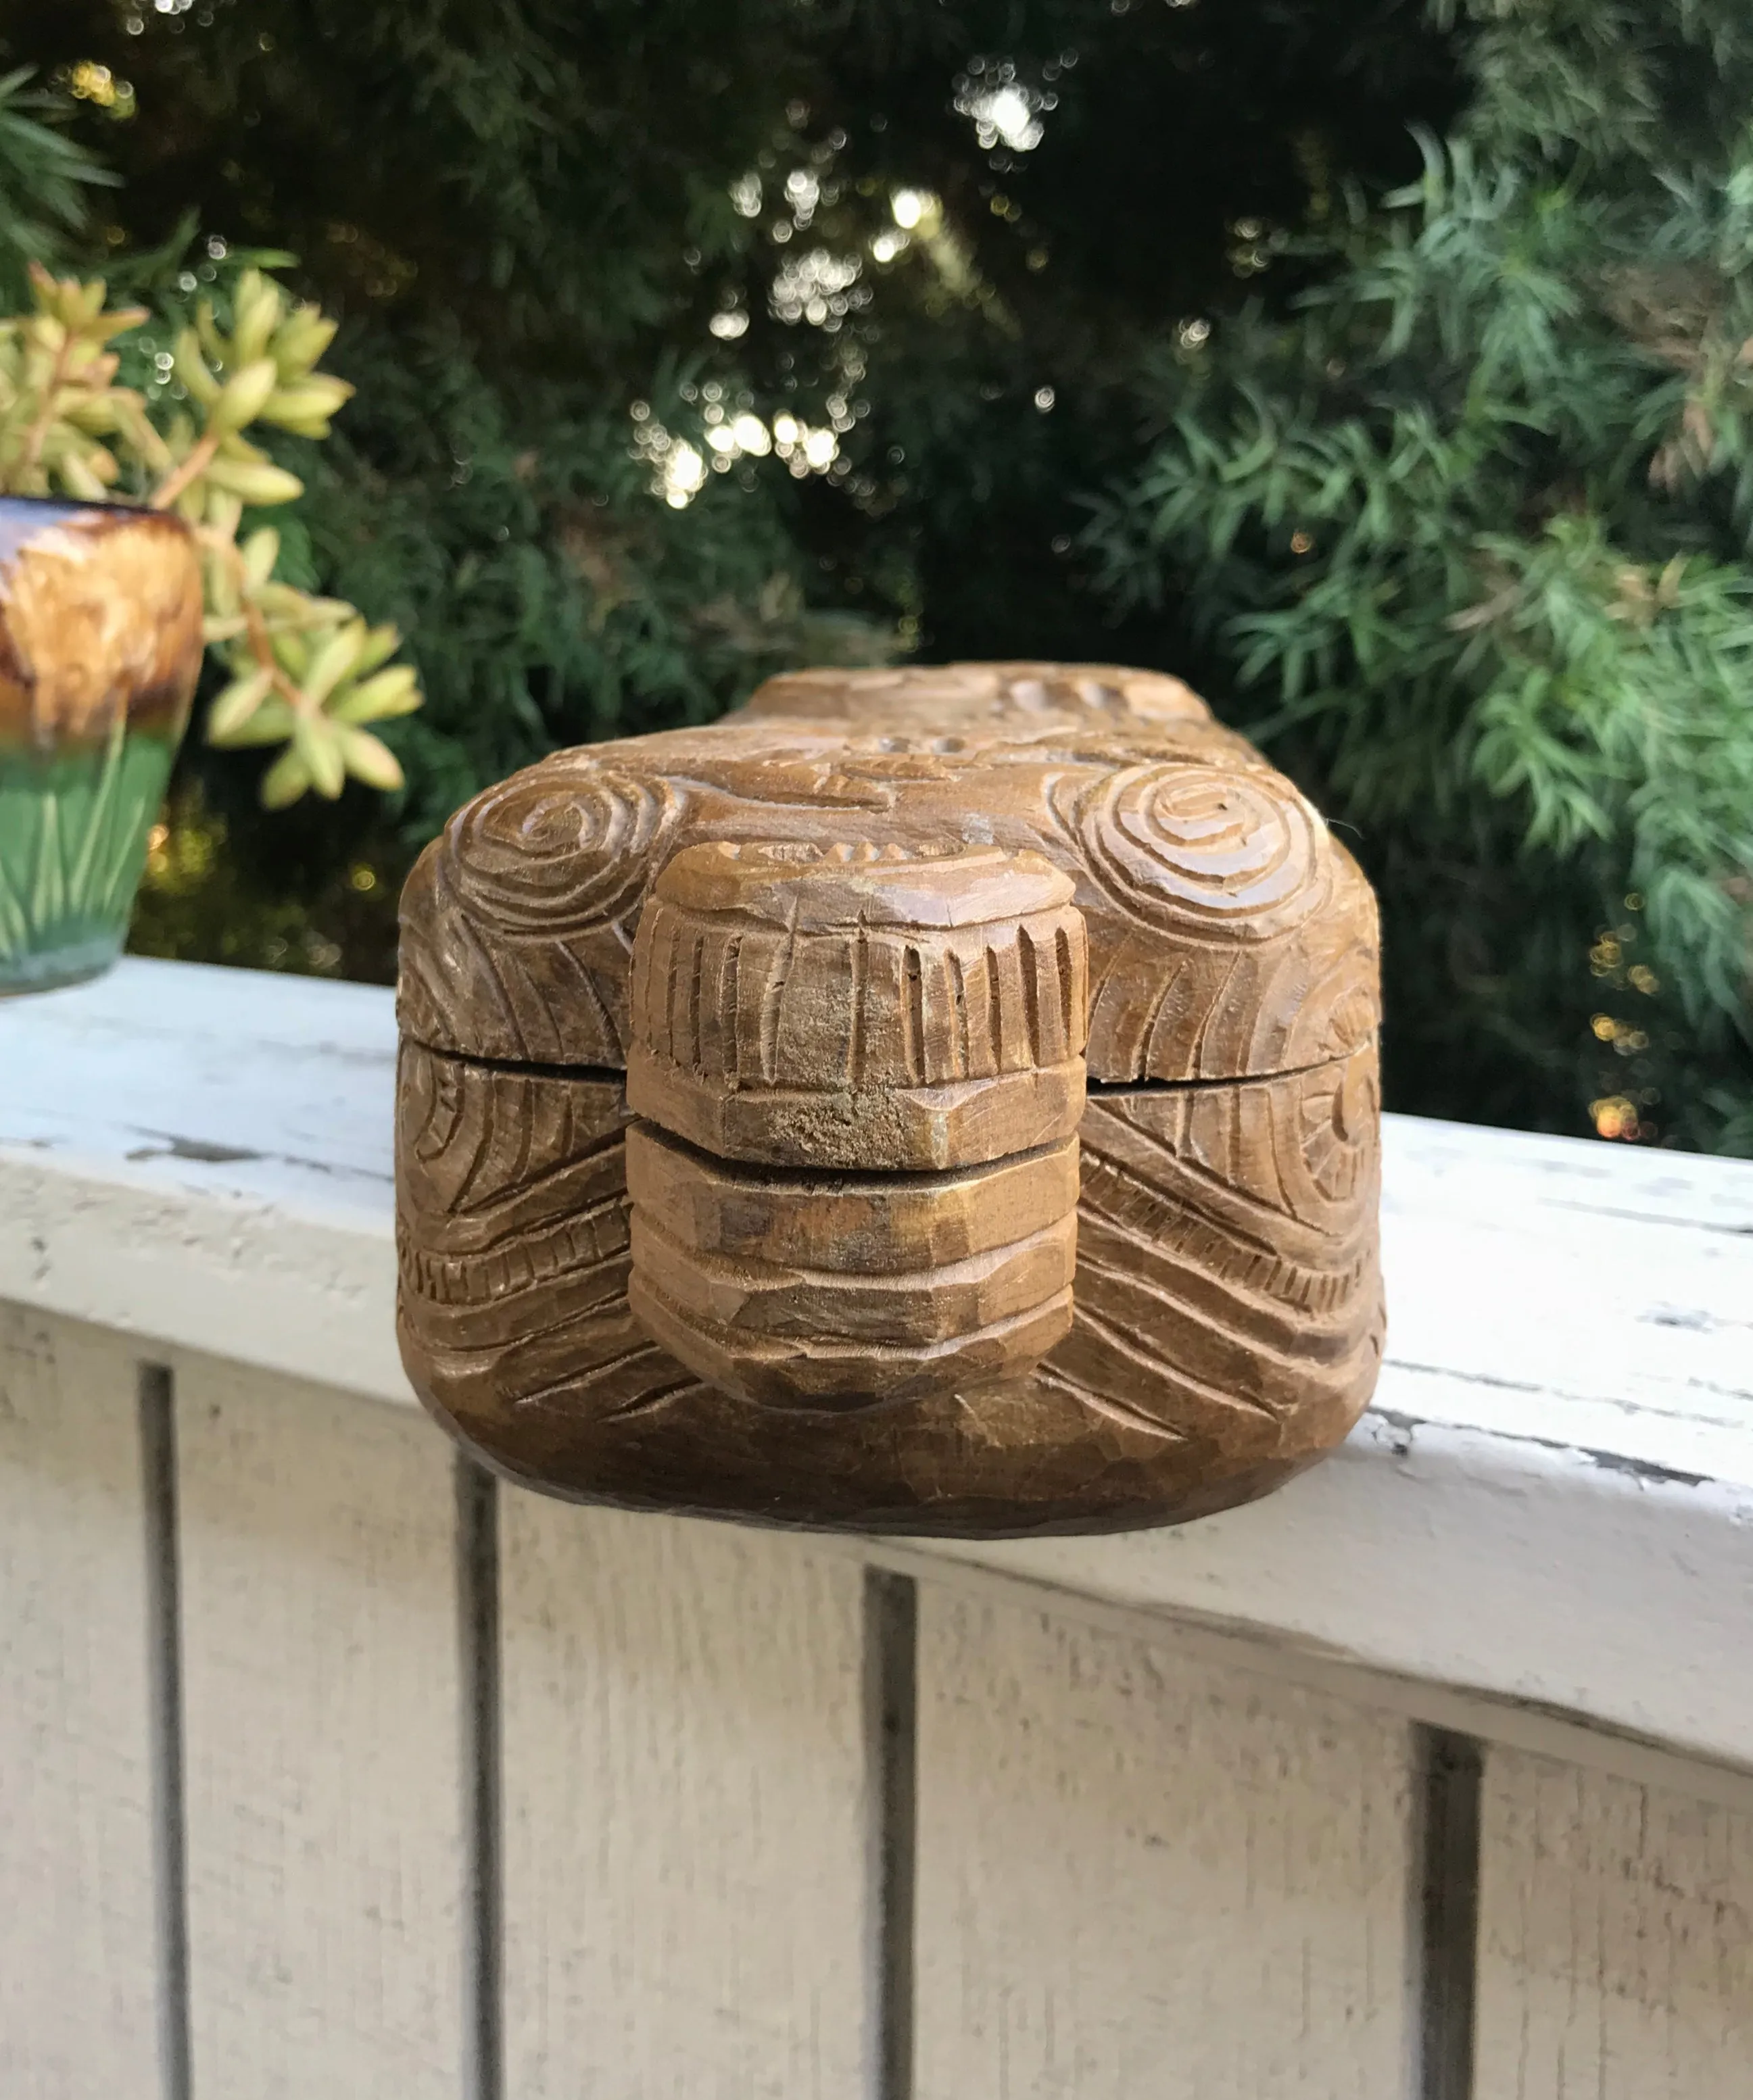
x=512 y=1233
x=851 y=1008
x=685 y=1836
x=920 y=696
x=835 y=942
x=869 y=1226
x=77 y=1951
x=321 y=1744
x=1229 y=934
x=1229 y=1289
x=1141 y=1876
x=1545 y=1511
x=851 y=1292
x=878 y=1021
x=1616 y=1939
x=1227 y=1320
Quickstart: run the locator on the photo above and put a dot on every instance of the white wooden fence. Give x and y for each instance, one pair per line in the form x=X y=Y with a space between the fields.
x=330 y=1770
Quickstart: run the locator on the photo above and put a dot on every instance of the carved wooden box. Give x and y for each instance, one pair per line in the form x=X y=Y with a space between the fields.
x=928 y=1100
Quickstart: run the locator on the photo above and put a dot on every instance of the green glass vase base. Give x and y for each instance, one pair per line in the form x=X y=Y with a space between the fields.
x=77 y=963
x=74 y=824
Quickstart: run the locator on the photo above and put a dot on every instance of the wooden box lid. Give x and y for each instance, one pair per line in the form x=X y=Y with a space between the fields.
x=1230 y=935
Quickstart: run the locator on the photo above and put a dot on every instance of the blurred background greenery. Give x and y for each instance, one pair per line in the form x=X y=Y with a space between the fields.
x=1383 y=366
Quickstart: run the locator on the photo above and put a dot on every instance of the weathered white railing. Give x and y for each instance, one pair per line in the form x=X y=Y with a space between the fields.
x=328 y=1771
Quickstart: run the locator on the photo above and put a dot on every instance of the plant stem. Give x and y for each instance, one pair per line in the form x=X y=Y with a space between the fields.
x=225 y=549
x=38 y=436
x=198 y=461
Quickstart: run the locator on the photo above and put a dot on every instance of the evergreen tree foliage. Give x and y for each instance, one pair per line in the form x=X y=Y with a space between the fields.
x=1378 y=363
x=44 y=179
x=1470 y=526
x=533 y=216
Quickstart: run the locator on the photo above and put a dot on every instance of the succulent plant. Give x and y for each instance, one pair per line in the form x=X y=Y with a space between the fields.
x=307 y=672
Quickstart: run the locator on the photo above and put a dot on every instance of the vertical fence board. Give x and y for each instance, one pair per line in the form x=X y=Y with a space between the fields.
x=1143 y=1876
x=1616 y=1939
x=322 y=1733
x=685 y=1837
x=78 y=1985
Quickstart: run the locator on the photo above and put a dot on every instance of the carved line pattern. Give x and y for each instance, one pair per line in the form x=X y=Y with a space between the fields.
x=1227 y=1286
x=998 y=692
x=534 y=1261
x=1226 y=927
x=878 y=1008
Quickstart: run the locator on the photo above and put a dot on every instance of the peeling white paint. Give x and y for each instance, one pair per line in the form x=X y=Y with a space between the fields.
x=1551 y=1504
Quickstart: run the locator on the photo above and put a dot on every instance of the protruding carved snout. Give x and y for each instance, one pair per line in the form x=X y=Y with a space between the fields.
x=857 y=1077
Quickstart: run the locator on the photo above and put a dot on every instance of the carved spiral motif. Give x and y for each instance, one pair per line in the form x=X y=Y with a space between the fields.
x=1341 y=1116
x=1190 y=848
x=555 y=852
